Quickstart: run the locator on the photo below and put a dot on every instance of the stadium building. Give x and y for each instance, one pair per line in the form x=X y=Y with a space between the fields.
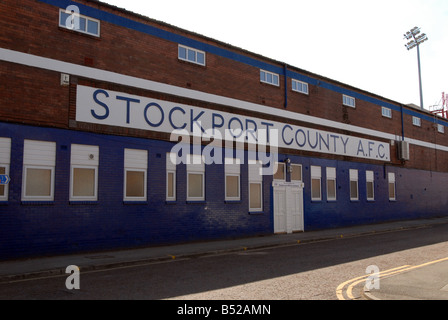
x=119 y=131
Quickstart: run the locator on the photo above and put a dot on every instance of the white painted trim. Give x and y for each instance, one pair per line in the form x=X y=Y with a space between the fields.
x=122 y=79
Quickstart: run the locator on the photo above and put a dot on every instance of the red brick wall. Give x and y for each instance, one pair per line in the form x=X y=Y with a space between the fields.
x=34 y=96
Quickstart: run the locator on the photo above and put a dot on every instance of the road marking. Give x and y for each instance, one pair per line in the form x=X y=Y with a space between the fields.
x=354 y=282
x=340 y=288
x=382 y=274
x=62 y=274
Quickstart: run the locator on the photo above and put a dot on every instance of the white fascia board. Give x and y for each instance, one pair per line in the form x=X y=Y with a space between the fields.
x=126 y=80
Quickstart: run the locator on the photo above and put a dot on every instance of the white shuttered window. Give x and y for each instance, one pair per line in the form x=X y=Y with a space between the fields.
x=5 y=161
x=316 y=178
x=84 y=173
x=195 y=178
x=255 y=186
x=39 y=161
x=354 y=196
x=331 y=184
x=232 y=176
x=135 y=174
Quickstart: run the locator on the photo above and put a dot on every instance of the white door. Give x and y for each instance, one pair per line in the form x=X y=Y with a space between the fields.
x=279 y=209
x=288 y=207
x=295 y=205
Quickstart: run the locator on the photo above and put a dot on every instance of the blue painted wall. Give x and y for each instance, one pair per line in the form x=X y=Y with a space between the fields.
x=61 y=227
x=418 y=194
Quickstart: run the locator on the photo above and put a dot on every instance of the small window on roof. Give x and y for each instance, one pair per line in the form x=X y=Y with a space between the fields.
x=386 y=112
x=269 y=78
x=72 y=20
x=299 y=86
x=348 y=101
x=416 y=121
x=191 y=55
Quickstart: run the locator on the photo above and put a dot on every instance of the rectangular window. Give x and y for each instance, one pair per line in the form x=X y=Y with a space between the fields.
x=4 y=188
x=84 y=183
x=348 y=101
x=39 y=161
x=296 y=174
x=354 y=196
x=195 y=178
x=416 y=121
x=5 y=161
x=280 y=174
x=331 y=184
x=191 y=55
x=269 y=77
x=299 y=86
x=386 y=112
x=84 y=161
x=195 y=186
x=74 y=21
x=171 y=185
x=232 y=179
x=441 y=128
x=391 y=178
x=316 y=178
x=255 y=186
x=255 y=197
x=171 y=176
x=370 y=186
x=135 y=174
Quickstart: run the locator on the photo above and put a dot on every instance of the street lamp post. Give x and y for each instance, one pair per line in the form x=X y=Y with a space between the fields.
x=415 y=42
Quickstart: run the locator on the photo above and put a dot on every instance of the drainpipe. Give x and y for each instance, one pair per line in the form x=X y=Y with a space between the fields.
x=286 y=85
x=402 y=123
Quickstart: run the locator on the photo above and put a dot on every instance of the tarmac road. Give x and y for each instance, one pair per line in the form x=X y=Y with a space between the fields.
x=310 y=268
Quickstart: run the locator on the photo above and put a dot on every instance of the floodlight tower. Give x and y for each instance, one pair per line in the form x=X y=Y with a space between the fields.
x=416 y=41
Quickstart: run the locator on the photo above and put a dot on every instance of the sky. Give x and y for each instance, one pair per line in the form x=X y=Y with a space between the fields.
x=359 y=43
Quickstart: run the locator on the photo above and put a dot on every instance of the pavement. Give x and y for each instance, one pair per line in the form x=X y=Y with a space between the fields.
x=426 y=282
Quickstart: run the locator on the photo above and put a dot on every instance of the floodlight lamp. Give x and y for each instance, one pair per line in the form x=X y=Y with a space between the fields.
x=410 y=45
x=415 y=31
x=422 y=38
x=415 y=42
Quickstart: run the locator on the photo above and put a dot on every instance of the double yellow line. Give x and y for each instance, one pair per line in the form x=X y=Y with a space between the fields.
x=354 y=282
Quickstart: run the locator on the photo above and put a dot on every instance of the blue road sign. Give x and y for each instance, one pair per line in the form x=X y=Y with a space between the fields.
x=4 y=179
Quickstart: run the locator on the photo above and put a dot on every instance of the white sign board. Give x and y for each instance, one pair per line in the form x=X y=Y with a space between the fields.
x=113 y=108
